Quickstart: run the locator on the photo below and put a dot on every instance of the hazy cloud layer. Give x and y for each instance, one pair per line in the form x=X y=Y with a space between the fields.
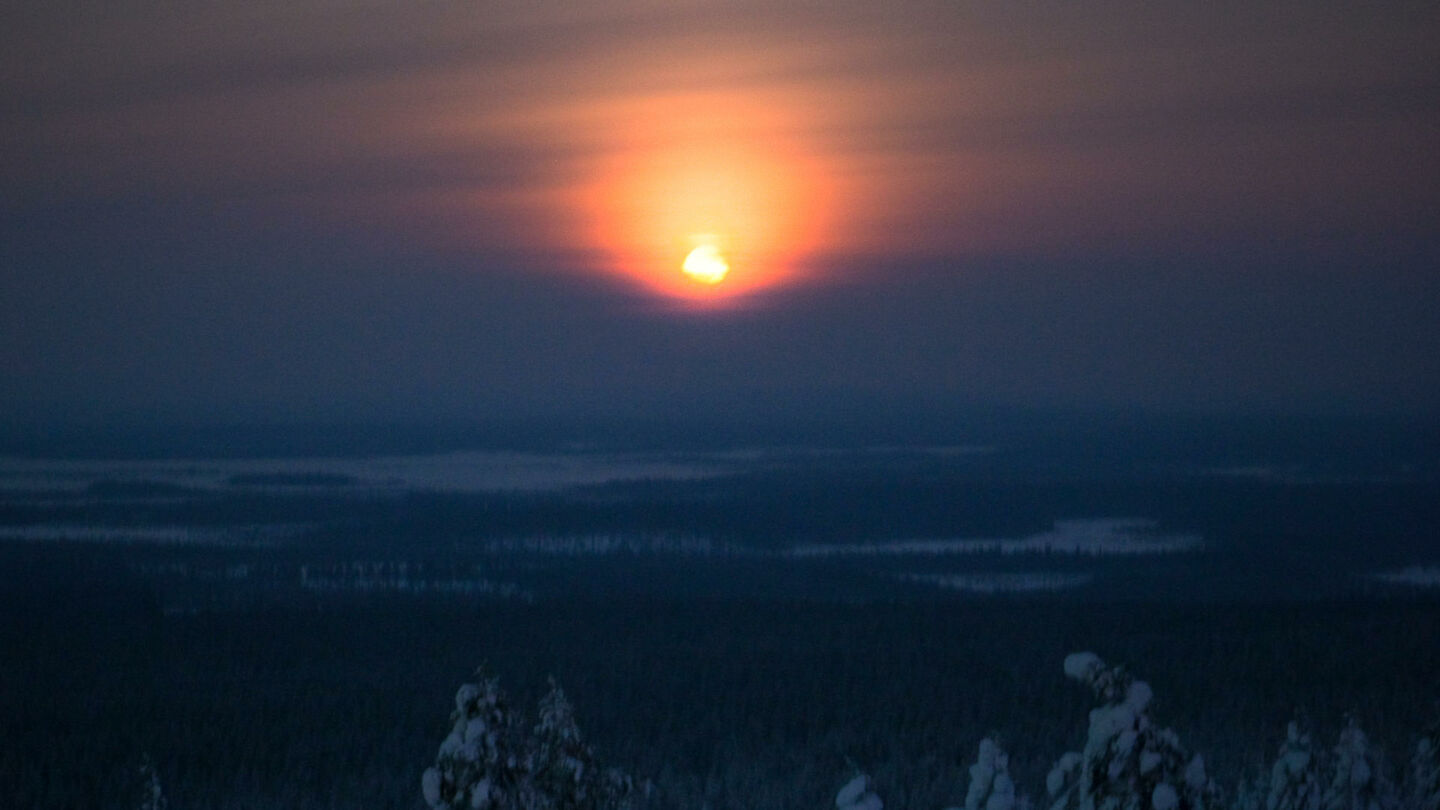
x=321 y=210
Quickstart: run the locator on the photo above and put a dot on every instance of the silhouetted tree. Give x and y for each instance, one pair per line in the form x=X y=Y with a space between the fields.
x=1294 y=778
x=1128 y=762
x=490 y=761
x=858 y=795
x=152 y=797
x=567 y=774
x=991 y=787
x=1357 y=777
x=481 y=763
x=1423 y=781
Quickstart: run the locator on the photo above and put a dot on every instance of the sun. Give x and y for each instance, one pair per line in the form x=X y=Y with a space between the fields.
x=706 y=265
x=705 y=199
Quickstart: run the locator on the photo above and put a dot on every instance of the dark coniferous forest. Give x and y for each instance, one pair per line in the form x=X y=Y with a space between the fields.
x=729 y=629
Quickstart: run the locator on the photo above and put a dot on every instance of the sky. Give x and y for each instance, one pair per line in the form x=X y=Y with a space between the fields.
x=365 y=211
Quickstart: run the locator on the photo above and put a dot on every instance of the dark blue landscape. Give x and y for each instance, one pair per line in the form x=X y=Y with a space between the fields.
x=736 y=627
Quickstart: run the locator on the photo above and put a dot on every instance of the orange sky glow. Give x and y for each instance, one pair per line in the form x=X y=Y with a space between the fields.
x=700 y=169
x=470 y=208
x=614 y=139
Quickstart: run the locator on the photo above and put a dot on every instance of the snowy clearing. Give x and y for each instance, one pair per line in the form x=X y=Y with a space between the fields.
x=1091 y=537
x=1416 y=576
x=1002 y=583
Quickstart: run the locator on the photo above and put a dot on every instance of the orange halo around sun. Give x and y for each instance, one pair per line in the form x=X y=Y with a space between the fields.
x=707 y=217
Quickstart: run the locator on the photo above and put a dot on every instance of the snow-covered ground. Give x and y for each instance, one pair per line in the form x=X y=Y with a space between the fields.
x=594 y=545
x=363 y=577
x=156 y=535
x=1415 y=576
x=1089 y=537
x=470 y=471
x=448 y=472
x=991 y=583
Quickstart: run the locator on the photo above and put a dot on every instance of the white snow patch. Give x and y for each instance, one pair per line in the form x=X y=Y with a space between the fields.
x=857 y=795
x=402 y=578
x=1138 y=696
x=585 y=545
x=1164 y=797
x=1089 y=537
x=1069 y=762
x=1195 y=777
x=1000 y=583
x=852 y=791
x=430 y=786
x=162 y=535
x=990 y=785
x=1082 y=666
x=454 y=472
x=1415 y=576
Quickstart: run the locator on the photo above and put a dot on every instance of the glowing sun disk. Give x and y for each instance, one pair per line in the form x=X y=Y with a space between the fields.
x=706 y=265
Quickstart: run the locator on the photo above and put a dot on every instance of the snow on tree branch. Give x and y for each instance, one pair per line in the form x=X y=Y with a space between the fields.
x=1128 y=762
x=491 y=761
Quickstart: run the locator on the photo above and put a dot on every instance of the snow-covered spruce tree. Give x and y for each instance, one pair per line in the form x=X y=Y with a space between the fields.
x=1294 y=779
x=991 y=787
x=858 y=795
x=1250 y=793
x=566 y=773
x=482 y=764
x=491 y=761
x=1128 y=762
x=1422 y=783
x=1358 y=780
x=152 y=797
